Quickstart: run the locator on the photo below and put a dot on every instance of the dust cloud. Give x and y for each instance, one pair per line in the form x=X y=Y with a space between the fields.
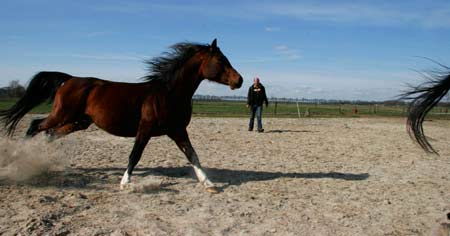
x=22 y=160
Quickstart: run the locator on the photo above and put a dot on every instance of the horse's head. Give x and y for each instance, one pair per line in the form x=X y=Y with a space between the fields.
x=216 y=67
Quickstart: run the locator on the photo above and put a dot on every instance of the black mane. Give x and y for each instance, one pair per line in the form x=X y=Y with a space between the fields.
x=165 y=68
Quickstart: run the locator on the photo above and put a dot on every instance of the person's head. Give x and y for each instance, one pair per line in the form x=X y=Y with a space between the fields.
x=256 y=81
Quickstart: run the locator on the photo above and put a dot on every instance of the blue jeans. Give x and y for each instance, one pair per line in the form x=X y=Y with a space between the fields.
x=258 y=110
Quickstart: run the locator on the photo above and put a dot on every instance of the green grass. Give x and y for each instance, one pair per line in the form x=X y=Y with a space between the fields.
x=282 y=110
x=290 y=110
x=238 y=109
x=41 y=109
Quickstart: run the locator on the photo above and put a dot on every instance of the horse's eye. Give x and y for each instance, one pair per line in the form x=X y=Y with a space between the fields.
x=222 y=60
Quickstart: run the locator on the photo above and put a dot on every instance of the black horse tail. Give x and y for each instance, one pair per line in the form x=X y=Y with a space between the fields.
x=42 y=87
x=424 y=97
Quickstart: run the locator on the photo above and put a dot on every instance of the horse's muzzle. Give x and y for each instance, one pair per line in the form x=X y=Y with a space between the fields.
x=238 y=84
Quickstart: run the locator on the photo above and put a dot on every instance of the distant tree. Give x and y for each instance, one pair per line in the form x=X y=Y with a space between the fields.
x=394 y=103
x=14 y=84
x=446 y=99
x=15 y=89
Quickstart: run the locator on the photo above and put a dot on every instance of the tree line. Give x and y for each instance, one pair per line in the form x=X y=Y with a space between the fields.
x=199 y=97
x=16 y=90
x=13 y=90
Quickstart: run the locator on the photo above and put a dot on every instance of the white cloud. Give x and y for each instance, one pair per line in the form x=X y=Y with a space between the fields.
x=423 y=14
x=281 y=47
x=350 y=12
x=364 y=85
x=97 y=34
x=288 y=53
x=147 y=7
x=272 y=29
x=107 y=57
x=256 y=59
x=283 y=53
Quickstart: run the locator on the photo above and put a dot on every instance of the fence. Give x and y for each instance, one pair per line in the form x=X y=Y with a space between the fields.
x=285 y=109
x=289 y=109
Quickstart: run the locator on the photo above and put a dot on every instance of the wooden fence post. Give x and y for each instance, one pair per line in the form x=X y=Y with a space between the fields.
x=275 y=108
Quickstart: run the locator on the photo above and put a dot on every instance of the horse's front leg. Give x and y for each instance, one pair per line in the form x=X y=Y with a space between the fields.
x=141 y=141
x=183 y=142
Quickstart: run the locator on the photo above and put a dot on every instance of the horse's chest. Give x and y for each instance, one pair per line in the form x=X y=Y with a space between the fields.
x=176 y=118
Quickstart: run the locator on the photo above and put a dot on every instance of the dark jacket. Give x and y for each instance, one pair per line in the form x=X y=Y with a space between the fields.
x=256 y=96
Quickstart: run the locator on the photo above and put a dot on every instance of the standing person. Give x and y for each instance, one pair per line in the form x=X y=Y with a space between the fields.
x=256 y=97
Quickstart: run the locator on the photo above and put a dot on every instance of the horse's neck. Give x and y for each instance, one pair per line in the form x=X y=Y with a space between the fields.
x=188 y=80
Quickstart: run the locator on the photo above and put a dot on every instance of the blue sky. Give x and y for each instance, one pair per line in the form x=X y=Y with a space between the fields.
x=366 y=50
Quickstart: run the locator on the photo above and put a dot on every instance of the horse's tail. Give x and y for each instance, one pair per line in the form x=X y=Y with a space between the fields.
x=424 y=97
x=42 y=87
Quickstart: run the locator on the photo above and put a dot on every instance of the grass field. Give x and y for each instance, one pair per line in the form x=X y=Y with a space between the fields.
x=282 y=110
x=44 y=108
x=238 y=109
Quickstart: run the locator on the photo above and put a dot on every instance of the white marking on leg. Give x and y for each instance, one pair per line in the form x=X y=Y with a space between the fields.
x=201 y=175
x=125 y=179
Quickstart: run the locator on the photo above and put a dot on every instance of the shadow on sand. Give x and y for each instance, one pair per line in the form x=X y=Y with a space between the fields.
x=87 y=177
x=289 y=131
x=231 y=177
x=238 y=177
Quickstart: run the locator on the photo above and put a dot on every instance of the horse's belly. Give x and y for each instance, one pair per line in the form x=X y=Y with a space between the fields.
x=114 y=112
x=121 y=127
x=117 y=120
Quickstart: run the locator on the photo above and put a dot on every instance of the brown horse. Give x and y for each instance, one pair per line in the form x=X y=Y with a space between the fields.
x=160 y=106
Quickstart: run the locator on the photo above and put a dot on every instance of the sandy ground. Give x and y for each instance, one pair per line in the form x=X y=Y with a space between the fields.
x=354 y=176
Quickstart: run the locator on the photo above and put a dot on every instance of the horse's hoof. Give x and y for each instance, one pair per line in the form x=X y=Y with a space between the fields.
x=213 y=190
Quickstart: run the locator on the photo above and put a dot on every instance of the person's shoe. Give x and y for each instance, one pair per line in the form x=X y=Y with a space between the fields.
x=250 y=129
x=260 y=130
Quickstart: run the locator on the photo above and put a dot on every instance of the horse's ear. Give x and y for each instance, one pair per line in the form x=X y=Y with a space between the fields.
x=214 y=45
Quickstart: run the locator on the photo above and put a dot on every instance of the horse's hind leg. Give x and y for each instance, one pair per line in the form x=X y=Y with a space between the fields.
x=183 y=142
x=42 y=124
x=33 y=129
x=66 y=129
x=55 y=127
